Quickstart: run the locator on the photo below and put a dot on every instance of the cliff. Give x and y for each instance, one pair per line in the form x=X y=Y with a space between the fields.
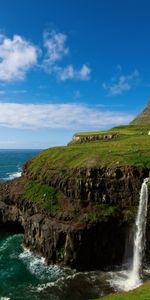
x=63 y=239
x=76 y=204
x=81 y=234
x=117 y=185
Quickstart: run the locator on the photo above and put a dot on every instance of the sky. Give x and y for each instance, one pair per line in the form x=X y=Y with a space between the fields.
x=68 y=66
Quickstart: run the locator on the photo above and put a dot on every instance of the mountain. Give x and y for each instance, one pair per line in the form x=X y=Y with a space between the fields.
x=144 y=117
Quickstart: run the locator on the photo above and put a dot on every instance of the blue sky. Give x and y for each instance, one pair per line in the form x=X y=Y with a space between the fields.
x=69 y=66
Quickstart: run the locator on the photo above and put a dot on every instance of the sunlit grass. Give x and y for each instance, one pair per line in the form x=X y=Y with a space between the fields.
x=131 y=148
x=141 y=293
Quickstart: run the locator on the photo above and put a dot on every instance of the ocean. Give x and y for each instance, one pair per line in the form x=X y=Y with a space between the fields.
x=24 y=275
x=11 y=162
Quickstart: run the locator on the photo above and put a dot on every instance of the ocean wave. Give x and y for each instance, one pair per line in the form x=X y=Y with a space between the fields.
x=12 y=175
x=60 y=283
x=38 y=267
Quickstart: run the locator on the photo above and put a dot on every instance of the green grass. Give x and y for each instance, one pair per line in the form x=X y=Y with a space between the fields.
x=141 y=293
x=43 y=195
x=131 y=148
x=128 y=215
x=123 y=130
x=101 y=213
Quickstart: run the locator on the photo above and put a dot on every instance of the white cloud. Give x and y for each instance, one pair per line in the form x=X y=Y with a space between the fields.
x=84 y=73
x=17 y=56
x=65 y=73
x=55 y=45
x=121 y=83
x=70 y=72
x=66 y=116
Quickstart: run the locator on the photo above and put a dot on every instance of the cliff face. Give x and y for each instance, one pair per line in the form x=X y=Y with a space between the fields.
x=63 y=239
x=77 y=236
x=116 y=186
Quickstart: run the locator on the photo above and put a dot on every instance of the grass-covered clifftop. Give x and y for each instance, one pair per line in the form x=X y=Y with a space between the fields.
x=131 y=147
x=122 y=130
x=88 y=172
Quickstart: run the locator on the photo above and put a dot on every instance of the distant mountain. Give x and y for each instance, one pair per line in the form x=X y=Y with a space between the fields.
x=144 y=117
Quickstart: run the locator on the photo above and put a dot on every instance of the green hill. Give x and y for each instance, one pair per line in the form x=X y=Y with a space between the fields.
x=144 y=117
x=122 y=145
x=131 y=147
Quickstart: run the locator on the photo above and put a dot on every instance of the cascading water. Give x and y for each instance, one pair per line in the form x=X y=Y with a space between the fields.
x=132 y=279
x=139 y=241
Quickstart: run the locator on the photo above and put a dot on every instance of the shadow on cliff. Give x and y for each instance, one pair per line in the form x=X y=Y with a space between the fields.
x=12 y=228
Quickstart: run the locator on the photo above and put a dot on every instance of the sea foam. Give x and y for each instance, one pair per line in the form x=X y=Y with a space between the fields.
x=11 y=176
x=38 y=267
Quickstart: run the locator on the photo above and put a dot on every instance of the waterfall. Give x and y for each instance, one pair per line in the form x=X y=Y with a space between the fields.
x=139 y=239
x=128 y=280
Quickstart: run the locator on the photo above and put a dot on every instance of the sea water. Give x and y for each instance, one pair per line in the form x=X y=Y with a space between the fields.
x=24 y=275
x=11 y=162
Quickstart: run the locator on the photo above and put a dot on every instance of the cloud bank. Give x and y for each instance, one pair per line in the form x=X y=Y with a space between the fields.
x=66 y=116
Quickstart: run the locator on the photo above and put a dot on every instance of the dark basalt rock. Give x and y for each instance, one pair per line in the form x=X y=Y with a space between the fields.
x=86 y=246
x=116 y=186
x=66 y=237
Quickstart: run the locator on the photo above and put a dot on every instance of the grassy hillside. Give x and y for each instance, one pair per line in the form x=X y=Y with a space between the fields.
x=144 y=117
x=122 y=130
x=43 y=195
x=141 y=293
x=132 y=147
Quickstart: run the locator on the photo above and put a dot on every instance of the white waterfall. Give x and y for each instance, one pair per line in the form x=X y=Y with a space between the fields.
x=139 y=240
x=128 y=280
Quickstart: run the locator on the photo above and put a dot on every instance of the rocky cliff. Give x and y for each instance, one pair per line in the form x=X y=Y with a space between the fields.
x=91 y=230
x=118 y=185
x=77 y=204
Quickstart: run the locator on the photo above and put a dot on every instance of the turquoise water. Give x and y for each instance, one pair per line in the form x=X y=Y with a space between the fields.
x=21 y=273
x=25 y=276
